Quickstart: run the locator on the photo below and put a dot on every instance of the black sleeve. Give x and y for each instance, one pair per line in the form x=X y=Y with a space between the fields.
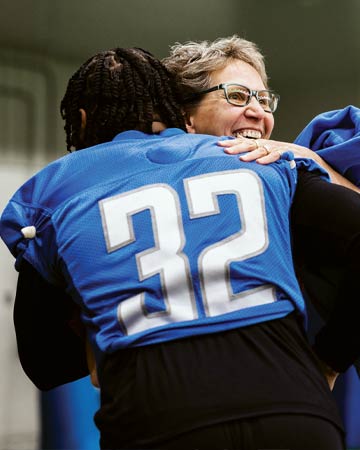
x=326 y=239
x=51 y=352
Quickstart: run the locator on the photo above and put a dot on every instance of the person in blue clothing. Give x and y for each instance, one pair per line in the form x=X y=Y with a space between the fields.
x=178 y=258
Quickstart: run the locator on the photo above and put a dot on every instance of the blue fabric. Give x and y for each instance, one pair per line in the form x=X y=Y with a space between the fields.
x=350 y=408
x=335 y=135
x=83 y=236
x=67 y=417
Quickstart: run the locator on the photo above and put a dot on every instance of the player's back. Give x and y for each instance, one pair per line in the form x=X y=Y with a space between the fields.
x=161 y=237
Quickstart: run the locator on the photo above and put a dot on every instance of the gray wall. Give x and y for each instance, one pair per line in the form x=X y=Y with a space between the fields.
x=311 y=46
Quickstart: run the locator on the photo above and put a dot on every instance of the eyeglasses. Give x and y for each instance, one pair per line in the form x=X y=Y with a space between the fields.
x=239 y=95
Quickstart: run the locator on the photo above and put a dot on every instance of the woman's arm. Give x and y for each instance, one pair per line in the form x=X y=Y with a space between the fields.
x=272 y=152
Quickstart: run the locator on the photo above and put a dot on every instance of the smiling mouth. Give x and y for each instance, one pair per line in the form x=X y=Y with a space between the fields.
x=250 y=134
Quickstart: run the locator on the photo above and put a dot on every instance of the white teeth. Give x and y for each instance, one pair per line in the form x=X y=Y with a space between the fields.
x=252 y=134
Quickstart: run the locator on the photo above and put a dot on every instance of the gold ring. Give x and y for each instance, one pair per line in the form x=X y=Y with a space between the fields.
x=267 y=149
x=256 y=143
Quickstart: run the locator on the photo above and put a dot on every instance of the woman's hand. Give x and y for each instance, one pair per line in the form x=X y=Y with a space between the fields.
x=90 y=358
x=265 y=151
x=330 y=374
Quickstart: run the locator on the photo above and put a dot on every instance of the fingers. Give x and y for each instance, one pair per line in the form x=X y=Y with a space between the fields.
x=266 y=147
x=238 y=145
x=259 y=150
x=271 y=157
x=231 y=142
x=262 y=159
x=265 y=154
x=253 y=147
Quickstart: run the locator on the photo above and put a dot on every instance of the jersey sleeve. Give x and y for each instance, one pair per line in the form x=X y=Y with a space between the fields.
x=291 y=166
x=309 y=165
x=27 y=230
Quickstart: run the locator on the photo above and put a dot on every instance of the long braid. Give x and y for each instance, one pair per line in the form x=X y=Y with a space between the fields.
x=120 y=89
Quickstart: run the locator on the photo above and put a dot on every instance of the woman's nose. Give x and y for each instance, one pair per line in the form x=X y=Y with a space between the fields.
x=254 y=109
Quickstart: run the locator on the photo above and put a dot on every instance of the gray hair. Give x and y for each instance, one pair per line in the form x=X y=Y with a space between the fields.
x=192 y=63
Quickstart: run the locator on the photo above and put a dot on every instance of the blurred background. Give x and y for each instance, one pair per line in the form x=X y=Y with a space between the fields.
x=312 y=50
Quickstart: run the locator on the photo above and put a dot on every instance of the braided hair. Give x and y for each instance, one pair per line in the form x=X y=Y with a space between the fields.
x=120 y=89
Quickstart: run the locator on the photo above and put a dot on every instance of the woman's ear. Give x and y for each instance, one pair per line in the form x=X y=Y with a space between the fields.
x=189 y=122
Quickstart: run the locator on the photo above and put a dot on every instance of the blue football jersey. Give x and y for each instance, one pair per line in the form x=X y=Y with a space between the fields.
x=159 y=237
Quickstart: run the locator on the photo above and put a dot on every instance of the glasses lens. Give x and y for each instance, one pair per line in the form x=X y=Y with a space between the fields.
x=241 y=95
x=237 y=95
x=268 y=100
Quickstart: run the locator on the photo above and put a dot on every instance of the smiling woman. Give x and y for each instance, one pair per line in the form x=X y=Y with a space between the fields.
x=206 y=70
x=198 y=66
x=249 y=119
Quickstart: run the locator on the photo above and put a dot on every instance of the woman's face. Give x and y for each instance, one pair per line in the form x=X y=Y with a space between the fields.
x=214 y=115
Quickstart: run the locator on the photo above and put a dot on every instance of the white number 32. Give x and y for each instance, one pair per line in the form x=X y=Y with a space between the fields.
x=167 y=259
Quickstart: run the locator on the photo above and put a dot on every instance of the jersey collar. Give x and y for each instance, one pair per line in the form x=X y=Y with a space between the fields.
x=134 y=134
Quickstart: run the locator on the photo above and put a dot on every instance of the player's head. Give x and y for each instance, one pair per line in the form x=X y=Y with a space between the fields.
x=225 y=87
x=118 y=90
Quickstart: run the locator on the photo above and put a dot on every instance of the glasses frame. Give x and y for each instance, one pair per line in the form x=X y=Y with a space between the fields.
x=252 y=93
